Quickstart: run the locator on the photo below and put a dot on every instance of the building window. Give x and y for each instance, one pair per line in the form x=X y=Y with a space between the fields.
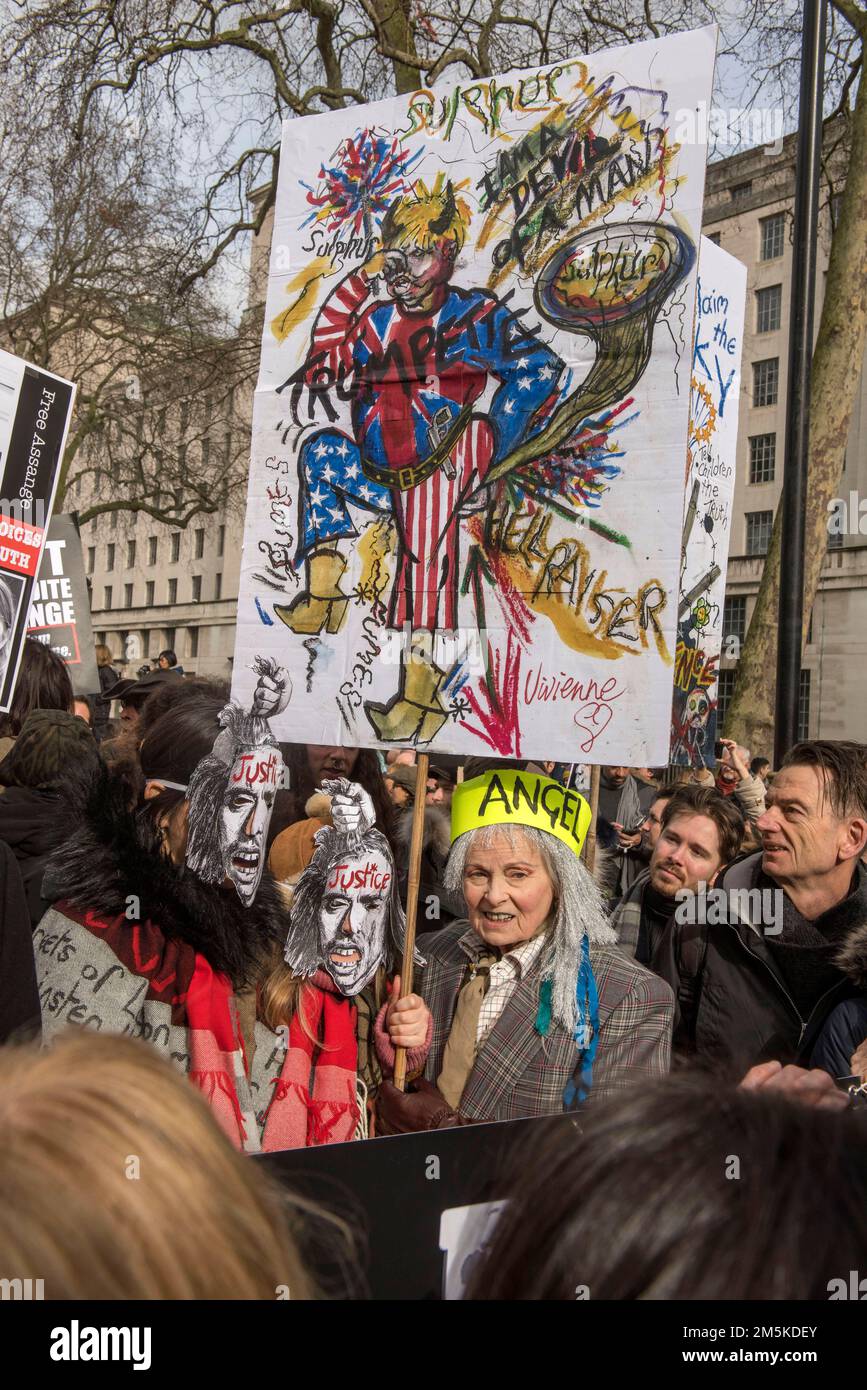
x=176 y=546
x=197 y=588
x=714 y=237
x=766 y=381
x=106 y=596
x=741 y=191
x=127 y=596
x=724 y=692
x=200 y=544
x=759 y=528
x=221 y=540
x=769 y=303
x=804 y=706
x=735 y=619
x=153 y=545
x=218 y=585
x=773 y=236
x=173 y=591
x=149 y=594
x=112 y=521
x=130 y=554
x=109 y=556
x=170 y=639
x=91 y=558
x=192 y=641
x=763 y=457
x=835 y=540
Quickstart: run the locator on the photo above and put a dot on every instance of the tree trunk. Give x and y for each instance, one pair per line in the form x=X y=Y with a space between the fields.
x=394 y=17
x=837 y=365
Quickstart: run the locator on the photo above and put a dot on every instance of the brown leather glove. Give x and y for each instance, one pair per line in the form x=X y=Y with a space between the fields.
x=406 y=1112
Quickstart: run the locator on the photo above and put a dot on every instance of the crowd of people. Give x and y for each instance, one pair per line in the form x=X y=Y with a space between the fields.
x=693 y=986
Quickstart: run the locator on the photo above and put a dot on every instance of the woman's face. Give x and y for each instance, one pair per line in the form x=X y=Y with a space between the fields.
x=508 y=890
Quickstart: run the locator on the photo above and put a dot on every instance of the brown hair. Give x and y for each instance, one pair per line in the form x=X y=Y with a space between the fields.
x=118 y=1184
x=795 y=1219
x=280 y=995
x=103 y=655
x=844 y=765
x=42 y=683
x=707 y=801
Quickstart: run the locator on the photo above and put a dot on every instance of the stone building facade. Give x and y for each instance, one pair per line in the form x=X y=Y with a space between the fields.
x=749 y=204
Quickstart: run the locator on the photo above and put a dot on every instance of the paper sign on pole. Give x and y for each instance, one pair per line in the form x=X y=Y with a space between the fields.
x=466 y=486
x=35 y=409
x=60 y=608
x=710 y=484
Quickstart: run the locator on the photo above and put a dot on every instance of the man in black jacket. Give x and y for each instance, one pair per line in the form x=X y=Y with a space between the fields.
x=759 y=967
x=700 y=832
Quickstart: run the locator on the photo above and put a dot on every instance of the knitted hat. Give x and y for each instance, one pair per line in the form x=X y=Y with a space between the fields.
x=50 y=743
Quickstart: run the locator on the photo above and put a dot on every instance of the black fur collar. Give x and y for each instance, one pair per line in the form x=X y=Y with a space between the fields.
x=852 y=956
x=114 y=853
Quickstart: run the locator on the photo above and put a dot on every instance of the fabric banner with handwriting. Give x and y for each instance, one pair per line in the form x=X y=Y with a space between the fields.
x=466 y=489
x=710 y=486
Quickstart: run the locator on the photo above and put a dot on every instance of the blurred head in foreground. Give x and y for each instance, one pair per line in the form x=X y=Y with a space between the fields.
x=686 y=1189
x=116 y=1183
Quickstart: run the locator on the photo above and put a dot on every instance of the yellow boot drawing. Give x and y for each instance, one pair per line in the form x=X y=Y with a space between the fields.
x=416 y=713
x=324 y=605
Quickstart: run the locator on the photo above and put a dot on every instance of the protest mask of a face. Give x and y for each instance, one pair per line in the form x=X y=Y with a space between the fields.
x=353 y=918
x=245 y=815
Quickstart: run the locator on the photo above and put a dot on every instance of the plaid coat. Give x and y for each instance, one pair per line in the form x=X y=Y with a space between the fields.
x=517 y=1072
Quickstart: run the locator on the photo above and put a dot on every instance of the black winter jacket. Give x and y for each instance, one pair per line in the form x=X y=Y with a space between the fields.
x=33 y=823
x=734 y=1007
x=844 y=1031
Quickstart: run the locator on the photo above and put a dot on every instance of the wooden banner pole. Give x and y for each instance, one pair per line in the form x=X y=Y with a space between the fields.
x=590 y=842
x=412 y=887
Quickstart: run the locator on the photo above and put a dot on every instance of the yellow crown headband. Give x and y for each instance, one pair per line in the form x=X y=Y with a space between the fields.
x=520 y=798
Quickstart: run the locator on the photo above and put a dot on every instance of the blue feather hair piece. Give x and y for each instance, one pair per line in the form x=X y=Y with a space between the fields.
x=586 y=1026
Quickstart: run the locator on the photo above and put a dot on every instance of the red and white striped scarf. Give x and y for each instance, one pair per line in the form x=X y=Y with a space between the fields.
x=315 y=1099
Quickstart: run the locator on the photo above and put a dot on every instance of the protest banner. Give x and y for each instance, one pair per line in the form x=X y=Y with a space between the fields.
x=442 y=1186
x=710 y=485
x=465 y=495
x=60 y=607
x=35 y=409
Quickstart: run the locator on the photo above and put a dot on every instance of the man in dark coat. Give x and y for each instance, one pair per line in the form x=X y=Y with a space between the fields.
x=624 y=801
x=770 y=942
x=700 y=833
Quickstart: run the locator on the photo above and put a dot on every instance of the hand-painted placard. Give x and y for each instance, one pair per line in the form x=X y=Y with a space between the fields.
x=710 y=485
x=465 y=494
x=35 y=408
x=59 y=606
